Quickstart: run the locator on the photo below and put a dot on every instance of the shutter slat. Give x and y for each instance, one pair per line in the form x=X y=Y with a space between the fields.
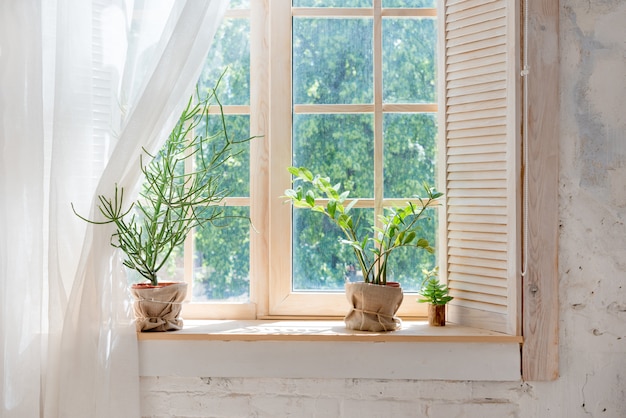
x=478 y=123
x=476 y=193
x=495 y=228
x=459 y=82
x=460 y=187
x=477 y=175
x=482 y=218
x=488 y=166
x=478 y=204
x=468 y=288
x=490 y=254
x=475 y=140
x=478 y=305
x=481 y=64
x=465 y=235
x=498 y=103
x=478 y=132
x=478 y=149
x=478 y=271
x=478 y=245
x=460 y=6
x=477 y=114
x=472 y=34
x=465 y=90
x=472 y=57
x=478 y=262
x=475 y=279
x=456 y=21
x=475 y=99
x=471 y=158
x=475 y=49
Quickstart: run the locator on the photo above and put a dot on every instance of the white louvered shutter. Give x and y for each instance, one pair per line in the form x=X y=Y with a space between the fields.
x=480 y=123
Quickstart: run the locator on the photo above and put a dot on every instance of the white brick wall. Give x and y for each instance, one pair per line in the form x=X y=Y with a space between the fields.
x=249 y=397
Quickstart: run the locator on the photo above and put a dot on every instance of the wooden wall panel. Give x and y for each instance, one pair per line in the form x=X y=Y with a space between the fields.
x=540 y=354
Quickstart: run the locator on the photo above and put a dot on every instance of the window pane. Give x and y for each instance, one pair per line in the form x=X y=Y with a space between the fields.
x=405 y=264
x=235 y=172
x=410 y=3
x=230 y=51
x=410 y=153
x=409 y=70
x=332 y=61
x=222 y=259
x=320 y=261
x=337 y=146
x=332 y=3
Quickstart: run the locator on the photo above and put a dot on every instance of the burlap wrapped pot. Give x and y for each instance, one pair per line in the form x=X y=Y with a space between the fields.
x=373 y=307
x=158 y=308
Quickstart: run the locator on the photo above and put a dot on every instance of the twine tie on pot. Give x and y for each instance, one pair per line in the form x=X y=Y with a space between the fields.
x=378 y=315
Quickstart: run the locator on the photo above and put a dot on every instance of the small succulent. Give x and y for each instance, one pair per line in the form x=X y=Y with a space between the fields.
x=433 y=291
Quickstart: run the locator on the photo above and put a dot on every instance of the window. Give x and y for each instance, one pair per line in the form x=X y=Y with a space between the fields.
x=479 y=166
x=359 y=117
x=352 y=94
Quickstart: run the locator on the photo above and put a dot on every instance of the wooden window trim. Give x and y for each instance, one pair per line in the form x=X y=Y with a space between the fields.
x=540 y=287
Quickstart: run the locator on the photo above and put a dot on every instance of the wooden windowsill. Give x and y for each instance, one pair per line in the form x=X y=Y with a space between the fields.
x=323 y=330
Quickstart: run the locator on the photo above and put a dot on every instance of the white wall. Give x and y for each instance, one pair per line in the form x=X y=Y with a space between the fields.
x=592 y=264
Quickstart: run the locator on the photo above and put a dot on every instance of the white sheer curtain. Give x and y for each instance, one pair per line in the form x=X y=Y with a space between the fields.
x=84 y=85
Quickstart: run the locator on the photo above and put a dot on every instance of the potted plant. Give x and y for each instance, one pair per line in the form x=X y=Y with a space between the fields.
x=374 y=301
x=437 y=295
x=173 y=200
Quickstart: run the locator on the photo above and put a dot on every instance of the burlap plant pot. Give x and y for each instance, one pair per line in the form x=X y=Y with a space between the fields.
x=373 y=307
x=158 y=308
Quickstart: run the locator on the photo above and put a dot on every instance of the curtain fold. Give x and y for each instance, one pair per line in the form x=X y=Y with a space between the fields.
x=21 y=195
x=85 y=86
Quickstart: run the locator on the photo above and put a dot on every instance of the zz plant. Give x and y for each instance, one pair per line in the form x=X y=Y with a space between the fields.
x=174 y=198
x=398 y=226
